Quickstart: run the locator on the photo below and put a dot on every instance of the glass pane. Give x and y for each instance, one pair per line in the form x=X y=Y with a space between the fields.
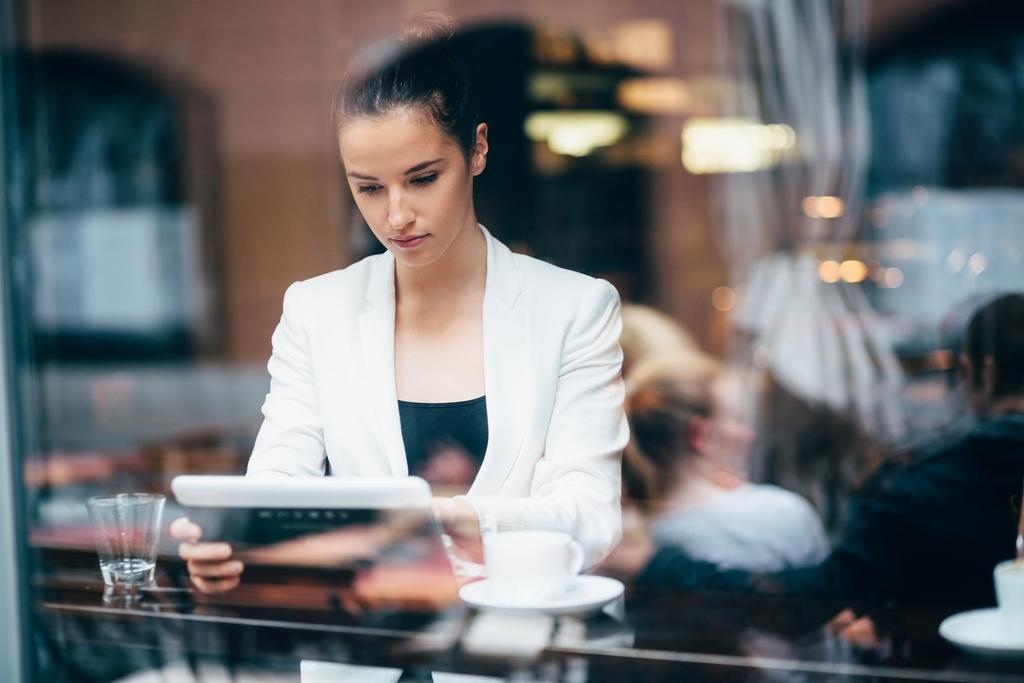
x=700 y=326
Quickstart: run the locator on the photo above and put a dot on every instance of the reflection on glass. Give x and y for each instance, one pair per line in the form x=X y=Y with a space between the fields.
x=803 y=191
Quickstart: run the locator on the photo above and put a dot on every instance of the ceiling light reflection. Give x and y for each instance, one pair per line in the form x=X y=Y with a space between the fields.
x=853 y=270
x=723 y=145
x=827 y=206
x=723 y=299
x=829 y=271
x=575 y=133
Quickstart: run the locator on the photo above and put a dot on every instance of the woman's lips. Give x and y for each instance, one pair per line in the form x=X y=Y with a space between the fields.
x=409 y=242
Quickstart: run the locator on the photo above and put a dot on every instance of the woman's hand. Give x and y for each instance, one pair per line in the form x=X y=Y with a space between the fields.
x=460 y=521
x=860 y=632
x=209 y=564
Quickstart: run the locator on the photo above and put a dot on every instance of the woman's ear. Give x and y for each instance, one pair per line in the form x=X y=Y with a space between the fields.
x=478 y=162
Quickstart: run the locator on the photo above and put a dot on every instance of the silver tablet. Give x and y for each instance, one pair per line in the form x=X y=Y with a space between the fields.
x=350 y=493
x=376 y=539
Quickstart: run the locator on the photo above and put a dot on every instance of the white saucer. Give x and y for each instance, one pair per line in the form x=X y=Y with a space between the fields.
x=981 y=632
x=585 y=594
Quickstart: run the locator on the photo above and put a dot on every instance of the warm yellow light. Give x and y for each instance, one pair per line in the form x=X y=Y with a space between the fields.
x=723 y=299
x=722 y=145
x=829 y=271
x=654 y=95
x=826 y=206
x=575 y=133
x=646 y=44
x=852 y=270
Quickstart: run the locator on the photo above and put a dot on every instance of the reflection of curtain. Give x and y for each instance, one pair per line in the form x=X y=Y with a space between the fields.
x=797 y=62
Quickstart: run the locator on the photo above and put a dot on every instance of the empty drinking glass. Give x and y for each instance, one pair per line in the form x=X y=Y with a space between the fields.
x=126 y=528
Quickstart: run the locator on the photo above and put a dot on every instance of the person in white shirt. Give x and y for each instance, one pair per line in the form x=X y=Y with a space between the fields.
x=521 y=358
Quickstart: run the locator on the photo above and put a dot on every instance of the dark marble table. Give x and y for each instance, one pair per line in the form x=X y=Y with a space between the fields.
x=649 y=635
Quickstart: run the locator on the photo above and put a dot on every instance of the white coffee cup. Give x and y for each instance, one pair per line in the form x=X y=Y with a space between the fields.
x=527 y=567
x=1009 y=578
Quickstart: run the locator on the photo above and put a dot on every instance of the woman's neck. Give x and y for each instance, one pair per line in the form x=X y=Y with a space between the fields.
x=459 y=273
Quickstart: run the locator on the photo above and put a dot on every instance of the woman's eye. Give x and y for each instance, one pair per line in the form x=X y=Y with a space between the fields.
x=425 y=179
x=368 y=189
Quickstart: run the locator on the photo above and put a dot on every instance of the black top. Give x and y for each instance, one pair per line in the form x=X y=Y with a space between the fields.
x=928 y=531
x=445 y=442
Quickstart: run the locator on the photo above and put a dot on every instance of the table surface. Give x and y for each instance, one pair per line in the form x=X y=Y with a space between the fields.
x=649 y=634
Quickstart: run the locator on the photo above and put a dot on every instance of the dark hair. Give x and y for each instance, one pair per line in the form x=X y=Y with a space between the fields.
x=661 y=406
x=996 y=331
x=424 y=74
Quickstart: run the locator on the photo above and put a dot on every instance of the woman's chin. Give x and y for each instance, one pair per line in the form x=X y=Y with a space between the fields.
x=413 y=260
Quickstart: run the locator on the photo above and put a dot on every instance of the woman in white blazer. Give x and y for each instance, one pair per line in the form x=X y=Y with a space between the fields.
x=446 y=315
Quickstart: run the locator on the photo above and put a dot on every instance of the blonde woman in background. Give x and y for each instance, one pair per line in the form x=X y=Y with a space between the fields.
x=684 y=469
x=646 y=331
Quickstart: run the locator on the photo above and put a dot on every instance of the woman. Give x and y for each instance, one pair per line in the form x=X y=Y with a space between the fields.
x=522 y=356
x=683 y=468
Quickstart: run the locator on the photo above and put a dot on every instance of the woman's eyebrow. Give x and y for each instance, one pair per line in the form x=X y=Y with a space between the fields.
x=418 y=167
x=422 y=165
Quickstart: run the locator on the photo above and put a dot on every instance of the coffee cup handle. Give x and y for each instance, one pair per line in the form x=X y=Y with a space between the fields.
x=577 y=557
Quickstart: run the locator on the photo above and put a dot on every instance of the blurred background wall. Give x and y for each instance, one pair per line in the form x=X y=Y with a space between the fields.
x=180 y=171
x=268 y=71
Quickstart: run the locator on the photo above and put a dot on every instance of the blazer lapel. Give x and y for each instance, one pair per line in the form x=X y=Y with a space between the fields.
x=377 y=337
x=507 y=338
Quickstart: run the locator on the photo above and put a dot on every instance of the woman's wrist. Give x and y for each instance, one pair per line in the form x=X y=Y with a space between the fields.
x=458 y=517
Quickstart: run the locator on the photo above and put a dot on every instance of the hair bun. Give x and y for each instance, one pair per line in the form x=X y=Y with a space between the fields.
x=428 y=27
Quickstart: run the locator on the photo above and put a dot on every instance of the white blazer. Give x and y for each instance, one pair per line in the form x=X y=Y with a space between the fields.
x=556 y=427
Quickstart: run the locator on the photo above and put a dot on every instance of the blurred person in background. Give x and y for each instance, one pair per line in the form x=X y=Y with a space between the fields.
x=448 y=345
x=684 y=467
x=927 y=528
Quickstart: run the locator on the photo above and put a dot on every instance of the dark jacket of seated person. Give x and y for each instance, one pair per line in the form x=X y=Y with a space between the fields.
x=927 y=531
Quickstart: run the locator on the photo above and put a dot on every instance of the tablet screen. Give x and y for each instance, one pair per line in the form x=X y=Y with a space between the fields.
x=389 y=556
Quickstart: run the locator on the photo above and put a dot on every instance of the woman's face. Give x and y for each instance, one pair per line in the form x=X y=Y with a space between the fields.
x=730 y=435
x=411 y=182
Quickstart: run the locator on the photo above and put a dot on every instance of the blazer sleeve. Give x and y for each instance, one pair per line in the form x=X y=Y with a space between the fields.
x=290 y=441
x=577 y=482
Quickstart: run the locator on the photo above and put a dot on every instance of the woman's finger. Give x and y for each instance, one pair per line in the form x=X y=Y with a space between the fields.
x=840 y=621
x=183 y=529
x=215 y=585
x=204 y=552
x=215 y=570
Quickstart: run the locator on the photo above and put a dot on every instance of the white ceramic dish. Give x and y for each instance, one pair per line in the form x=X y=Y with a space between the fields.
x=585 y=595
x=981 y=632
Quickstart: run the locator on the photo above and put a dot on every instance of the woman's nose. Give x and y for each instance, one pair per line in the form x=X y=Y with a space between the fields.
x=399 y=212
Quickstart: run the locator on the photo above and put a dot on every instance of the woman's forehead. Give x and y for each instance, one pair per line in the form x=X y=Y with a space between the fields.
x=391 y=143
